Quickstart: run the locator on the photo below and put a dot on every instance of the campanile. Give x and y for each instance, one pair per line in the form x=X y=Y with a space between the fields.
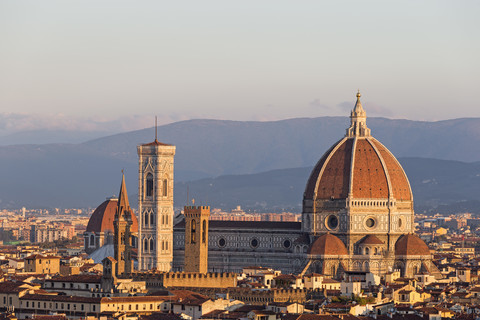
x=155 y=205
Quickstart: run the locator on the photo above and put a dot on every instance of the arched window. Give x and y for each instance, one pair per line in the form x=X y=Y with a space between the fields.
x=152 y=218
x=145 y=219
x=151 y=245
x=149 y=189
x=163 y=219
x=204 y=231
x=145 y=245
x=192 y=232
x=367 y=251
x=376 y=251
x=163 y=245
x=415 y=270
x=92 y=240
x=166 y=245
x=165 y=187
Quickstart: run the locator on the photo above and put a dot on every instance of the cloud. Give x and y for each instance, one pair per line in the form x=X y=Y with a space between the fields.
x=315 y=103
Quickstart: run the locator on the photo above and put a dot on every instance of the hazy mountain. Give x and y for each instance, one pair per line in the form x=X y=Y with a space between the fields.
x=84 y=174
x=51 y=136
x=437 y=185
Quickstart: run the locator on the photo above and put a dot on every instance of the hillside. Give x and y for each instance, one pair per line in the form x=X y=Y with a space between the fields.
x=79 y=175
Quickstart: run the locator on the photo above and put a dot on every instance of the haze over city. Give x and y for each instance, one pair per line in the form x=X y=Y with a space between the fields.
x=111 y=66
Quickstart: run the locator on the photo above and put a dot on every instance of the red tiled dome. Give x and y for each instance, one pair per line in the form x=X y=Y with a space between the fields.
x=374 y=174
x=411 y=245
x=328 y=244
x=358 y=165
x=102 y=218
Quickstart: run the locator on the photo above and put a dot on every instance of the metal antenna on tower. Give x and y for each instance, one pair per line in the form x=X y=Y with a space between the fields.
x=155 y=128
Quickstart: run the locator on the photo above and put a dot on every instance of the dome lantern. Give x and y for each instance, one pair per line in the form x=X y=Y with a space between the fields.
x=358 y=116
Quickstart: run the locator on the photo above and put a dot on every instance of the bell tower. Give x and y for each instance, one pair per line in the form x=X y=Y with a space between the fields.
x=196 y=239
x=123 y=242
x=155 y=205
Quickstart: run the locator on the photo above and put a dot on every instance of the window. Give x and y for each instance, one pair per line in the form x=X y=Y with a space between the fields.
x=149 y=190
x=192 y=232
x=151 y=245
x=204 y=231
x=165 y=187
x=145 y=245
x=152 y=218
x=92 y=240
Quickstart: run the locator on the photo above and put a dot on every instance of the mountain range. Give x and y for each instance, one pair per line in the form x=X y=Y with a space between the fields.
x=83 y=174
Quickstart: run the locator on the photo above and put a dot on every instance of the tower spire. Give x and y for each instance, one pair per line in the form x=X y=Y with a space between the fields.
x=123 y=195
x=358 y=120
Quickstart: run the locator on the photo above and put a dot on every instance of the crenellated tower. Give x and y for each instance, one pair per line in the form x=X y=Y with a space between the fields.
x=196 y=238
x=155 y=205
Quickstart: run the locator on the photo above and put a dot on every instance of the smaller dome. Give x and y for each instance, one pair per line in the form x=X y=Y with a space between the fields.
x=102 y=218
x=411 y=245
x=371 y=240
x=328 y=244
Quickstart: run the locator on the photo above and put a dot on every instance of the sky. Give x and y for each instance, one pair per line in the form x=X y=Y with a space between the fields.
x=78 y=64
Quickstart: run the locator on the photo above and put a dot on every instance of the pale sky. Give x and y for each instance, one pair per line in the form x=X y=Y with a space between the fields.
x=239 y=60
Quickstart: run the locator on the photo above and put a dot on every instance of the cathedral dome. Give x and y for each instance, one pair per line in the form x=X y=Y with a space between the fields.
x=328 y=244
x=358 y=167
x=411 y=245
x=103 y=216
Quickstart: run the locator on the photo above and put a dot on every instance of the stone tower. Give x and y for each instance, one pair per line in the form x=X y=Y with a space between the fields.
x=122 y=239
x=196 y=239
x=155 y=205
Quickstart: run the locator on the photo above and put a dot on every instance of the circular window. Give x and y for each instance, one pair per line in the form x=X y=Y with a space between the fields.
x=370 y=223
x=287 y=243
x=222 y=242
x=254 y=243
x=332 y=222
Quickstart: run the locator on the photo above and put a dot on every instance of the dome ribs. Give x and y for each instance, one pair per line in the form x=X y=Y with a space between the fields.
x=334 y=182
x=399 y=182
x=369 y=178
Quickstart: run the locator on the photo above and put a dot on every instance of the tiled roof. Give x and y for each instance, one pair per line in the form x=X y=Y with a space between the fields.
x=80 y=278
x=102 y=218
x=410 y=244
x=335 y=175
x=328 y=244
